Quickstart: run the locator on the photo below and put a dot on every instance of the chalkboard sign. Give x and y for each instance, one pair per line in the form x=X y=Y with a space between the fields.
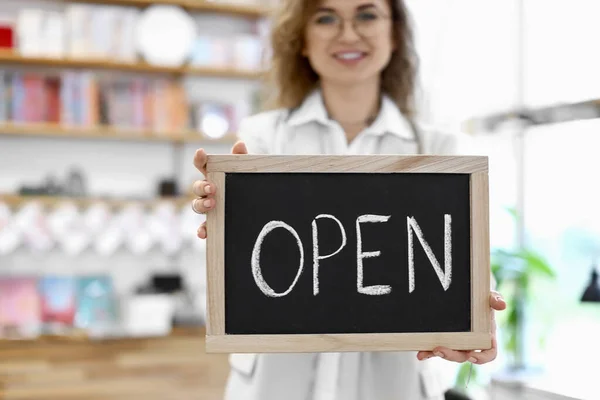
x=348 y=253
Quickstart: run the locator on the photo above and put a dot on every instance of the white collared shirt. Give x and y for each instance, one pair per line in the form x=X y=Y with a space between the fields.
x=308 y=130
x=335 y=376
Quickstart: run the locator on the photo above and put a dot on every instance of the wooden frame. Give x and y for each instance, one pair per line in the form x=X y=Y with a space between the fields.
x=480 y=336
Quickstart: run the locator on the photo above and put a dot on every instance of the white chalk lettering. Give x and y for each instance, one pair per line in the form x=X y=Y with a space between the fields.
x=256 y=271
x=316 y=255
x=375 y=290
x=445 y=276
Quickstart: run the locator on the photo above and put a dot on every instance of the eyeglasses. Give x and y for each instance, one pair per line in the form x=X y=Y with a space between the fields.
x=367 y=24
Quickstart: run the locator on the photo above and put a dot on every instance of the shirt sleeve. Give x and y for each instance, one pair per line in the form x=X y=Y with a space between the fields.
x=254 y=143
x=258 y=131
x=445 y=143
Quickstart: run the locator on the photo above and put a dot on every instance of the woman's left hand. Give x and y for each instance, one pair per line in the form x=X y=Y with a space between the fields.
x=472 y=356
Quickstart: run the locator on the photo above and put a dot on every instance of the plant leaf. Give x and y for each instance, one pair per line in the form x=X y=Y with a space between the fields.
x=498 y=274
x=532 y=263
x=537 y=264
x=513 y=212
x=462 y=378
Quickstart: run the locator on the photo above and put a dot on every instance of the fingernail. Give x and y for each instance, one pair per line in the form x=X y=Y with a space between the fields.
x=207 y=189
x=473 y=360
x=439 y=354
x=207 y=203
x=499 y=298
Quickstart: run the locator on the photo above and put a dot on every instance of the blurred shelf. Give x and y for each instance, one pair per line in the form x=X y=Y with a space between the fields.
x=168 y=367
x=80 y=336
x=13 y=200
x=13 y=58
x=230 y=73
x=222 y=7
x=52 y=130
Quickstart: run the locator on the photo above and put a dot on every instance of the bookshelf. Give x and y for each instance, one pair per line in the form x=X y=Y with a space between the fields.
x=221 y=7
x=13 y=58
x=15 y=201
x=58 y=131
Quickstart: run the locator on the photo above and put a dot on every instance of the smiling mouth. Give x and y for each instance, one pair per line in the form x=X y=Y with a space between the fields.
x=350 y=55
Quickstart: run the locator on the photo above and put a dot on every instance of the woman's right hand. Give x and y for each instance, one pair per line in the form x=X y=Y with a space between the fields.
x=204 y=189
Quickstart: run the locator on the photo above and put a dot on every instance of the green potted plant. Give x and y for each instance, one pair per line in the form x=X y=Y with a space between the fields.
x=514 y=272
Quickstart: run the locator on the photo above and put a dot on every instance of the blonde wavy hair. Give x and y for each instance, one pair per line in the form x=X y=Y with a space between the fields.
x=290 y=78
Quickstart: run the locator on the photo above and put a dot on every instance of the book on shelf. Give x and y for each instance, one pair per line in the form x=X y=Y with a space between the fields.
x=7 y=34
x=19 y=308
x=239 y=52
x=5 y=97
x=81 y=31
x=29 y=31
x=81 y=99
x=57 y=305
x=96 y=303
x=58 y=302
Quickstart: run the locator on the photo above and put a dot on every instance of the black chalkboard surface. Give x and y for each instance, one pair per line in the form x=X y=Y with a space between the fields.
x=321 y=253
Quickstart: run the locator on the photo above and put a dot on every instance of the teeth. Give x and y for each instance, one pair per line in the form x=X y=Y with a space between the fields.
x=349 y=56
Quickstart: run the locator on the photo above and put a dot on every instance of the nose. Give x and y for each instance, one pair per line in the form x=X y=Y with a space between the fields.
x=348 y=32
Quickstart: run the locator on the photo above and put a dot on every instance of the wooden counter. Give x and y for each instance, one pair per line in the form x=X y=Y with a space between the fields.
x=169 y=368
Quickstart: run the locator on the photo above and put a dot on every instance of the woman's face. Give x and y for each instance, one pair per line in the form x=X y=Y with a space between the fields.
x=349 y=41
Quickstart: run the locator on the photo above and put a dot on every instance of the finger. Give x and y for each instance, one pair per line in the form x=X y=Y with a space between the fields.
x=201 y=206
x=475 y=357
x=202 y=233
x=200 y=158
x=451 y=355
x=239 y=148
x=485 y=356
x=424 y=355
x=493 y=322
x=497 y=301
x=204 y=188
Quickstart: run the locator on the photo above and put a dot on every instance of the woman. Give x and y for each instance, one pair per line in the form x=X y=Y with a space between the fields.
x=344 y=73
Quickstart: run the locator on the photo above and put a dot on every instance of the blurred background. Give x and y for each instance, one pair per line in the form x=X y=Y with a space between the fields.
x=103 y=103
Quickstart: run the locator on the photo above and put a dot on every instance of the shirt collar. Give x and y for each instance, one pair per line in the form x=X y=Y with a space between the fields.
x=389 y=120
